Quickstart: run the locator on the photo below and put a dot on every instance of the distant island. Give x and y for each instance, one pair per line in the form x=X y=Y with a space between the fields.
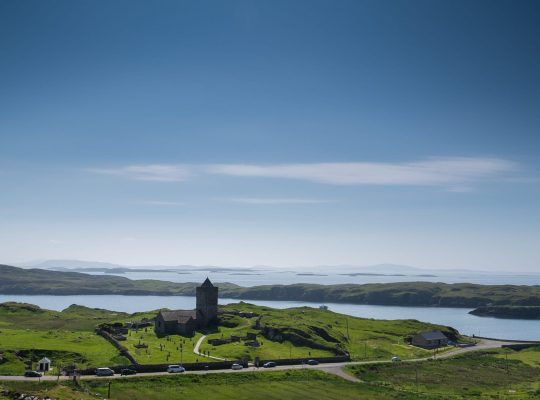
x=376 y=274
x=509 y=312
x=420 y=294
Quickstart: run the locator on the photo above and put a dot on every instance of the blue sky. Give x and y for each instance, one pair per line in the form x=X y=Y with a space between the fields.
x=271 y=132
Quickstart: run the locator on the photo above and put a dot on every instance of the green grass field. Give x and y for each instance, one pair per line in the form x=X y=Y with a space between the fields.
x=484 y=374
x=66 y=337
x=293 y=385
x=530 y=356
x=84 y=348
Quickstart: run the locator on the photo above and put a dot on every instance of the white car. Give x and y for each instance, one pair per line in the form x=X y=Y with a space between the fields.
x=175 y=368
x=396 y=359
x=236 y=366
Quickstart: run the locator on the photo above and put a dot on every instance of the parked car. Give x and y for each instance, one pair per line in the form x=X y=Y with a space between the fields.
x=175 y=369
x=236 y=366
x=32 y=374
x=127 y=371
x=312 y=362
x=104 y=372
x=269 y=364
x=396 y=359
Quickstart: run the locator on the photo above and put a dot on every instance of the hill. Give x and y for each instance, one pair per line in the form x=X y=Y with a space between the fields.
x=432 y=294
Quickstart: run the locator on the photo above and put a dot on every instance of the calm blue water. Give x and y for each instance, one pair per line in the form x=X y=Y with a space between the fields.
x=455 y=317
x=283 y=277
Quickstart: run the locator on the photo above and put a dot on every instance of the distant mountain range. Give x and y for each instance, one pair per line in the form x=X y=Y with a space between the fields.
x=350 y=270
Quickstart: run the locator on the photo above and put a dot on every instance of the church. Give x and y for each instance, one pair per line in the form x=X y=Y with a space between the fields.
x=185 y=322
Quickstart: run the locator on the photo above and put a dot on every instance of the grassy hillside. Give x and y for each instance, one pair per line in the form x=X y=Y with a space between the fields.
x=305 y=332
x=36 y=281
x=401 y=293
x=28 y=332
x=39 y=281
x=495 y=374
x=290 y=385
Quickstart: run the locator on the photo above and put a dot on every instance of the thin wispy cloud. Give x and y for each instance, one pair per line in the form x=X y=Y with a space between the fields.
x=276 y=201
x=148 y=172
x=424 y=173
x=159 y=203
x=453 y=172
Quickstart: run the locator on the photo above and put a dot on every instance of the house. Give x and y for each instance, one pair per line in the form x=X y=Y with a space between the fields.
x=185 y=322
x=429 y=340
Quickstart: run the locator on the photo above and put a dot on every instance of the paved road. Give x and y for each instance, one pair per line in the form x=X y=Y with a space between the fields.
x=333 y=368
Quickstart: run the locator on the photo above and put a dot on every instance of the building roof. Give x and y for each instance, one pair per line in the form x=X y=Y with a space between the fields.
x=179 y=315
x=44 y=360
x=207 y=283
x=433 y=335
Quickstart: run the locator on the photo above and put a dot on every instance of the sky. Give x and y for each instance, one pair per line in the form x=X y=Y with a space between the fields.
x=284 y=133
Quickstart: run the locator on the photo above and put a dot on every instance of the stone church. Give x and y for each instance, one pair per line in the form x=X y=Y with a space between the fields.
x=185 y=322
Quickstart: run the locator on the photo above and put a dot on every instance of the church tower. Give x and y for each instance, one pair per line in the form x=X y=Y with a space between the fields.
x=207 y=304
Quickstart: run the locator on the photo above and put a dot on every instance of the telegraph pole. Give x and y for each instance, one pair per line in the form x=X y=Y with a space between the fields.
x=365 y=349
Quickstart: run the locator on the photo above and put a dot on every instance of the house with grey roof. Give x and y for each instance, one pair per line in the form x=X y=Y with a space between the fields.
x=185 y=322
x=430 y=340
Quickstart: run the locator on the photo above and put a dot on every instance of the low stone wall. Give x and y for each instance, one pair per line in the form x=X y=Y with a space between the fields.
x=123 y=351
x=508 y=340
x=520 y=346
x=202 y=366
x=299 y=361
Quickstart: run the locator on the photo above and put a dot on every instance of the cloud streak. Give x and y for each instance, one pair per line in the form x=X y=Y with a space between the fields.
x=451 y=172
x=424 y=173
x=275 y=201
x=159 y=203
x=148 y=172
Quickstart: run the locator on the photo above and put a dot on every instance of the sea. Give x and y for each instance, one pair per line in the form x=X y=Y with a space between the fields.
x=458 y=318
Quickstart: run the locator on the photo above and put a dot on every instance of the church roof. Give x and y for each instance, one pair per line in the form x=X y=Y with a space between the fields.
x=207 y=283
x=179 y=315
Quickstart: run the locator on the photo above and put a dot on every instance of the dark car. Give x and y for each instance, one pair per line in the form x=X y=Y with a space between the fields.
x=127 y=371
x=312 y=362
x=269 y=364
x=32 y=374
x=104 y=372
